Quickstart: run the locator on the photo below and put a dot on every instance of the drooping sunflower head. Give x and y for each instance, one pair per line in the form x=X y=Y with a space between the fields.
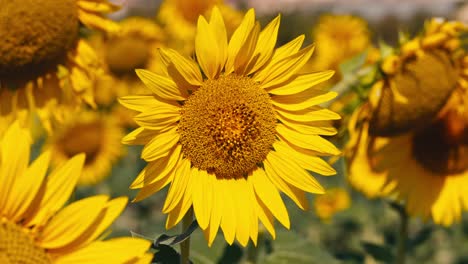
x=339 y=38
x=410 y=139
x=36 y=227
x=92 y=134
x=418 y=79
x=43 y=61
x=179 y=18
x=229 y=136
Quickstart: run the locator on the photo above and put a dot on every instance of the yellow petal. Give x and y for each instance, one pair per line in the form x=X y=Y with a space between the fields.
x=158 y=118
x=308 y=162
x=139 y=136
x=14 y=158
x=265 y=45
x=266 y=217
x=71 y=222
x=300 y=83
x=239 y=37
x=268 y=194
x=297 y=195
x=247 y=51
x=312 y=114
x=161 y=86
x=158 y=169
x=229 y=217
x=97 y=22
x=292 y=173
x=202 y=196
x=142 y=103
x=302 y=100
x=311 y=128
x=160 y=145
x=312 y=142
x=97 y=7
x=280 y=53
x=178 y=186
x=186 y=67
x=285 y=68
x=182 y=207
x=216 y=212
x=60 y=184
x=116 y=250
x=26 y=187
x=243 y=197
x=152 y=188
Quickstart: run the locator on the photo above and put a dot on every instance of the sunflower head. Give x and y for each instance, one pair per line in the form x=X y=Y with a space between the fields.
x=231 y=128
x=35 y=224
x=47 y=31
x=418 y=79
x=338 y=38
x=92 y=134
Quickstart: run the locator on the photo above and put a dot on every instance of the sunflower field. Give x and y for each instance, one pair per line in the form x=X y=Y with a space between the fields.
x=236 y=131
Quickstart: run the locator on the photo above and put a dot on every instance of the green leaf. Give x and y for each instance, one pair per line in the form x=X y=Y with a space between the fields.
x=422 y=236
x=353 y=64
x=378 y=252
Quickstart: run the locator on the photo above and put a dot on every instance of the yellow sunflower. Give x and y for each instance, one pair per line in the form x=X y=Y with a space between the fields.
x=229 y=137
x=44 y=64
x=412 y=140
x=179 y=18
x=339 y=38
x=94 y=134
x=34 y=228
x=330 y=203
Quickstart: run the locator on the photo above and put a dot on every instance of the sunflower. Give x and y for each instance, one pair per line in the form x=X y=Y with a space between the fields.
x=133 y=46
x=44 y=65
x=179 y=18
x=411 y=142
x=94 y=134
x=34 y=228
x=229 y=139
x=330 y=203
x=339 y=38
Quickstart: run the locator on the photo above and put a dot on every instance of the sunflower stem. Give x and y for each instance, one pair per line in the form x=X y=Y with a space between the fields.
x=403 y=236
x=185 y=245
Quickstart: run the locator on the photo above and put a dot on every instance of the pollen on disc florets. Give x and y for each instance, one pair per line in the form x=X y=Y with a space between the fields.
x=35 y=34
x=227 y=126
x=17 y=246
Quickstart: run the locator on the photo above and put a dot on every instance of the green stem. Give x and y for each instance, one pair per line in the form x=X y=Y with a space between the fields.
x=403 y=237
x=185 y=245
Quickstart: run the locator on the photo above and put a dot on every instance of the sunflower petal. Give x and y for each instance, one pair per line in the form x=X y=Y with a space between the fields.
x=161 y=86
x=160 y=145
x=265 y=45
x=300 y=83
x=238 y=38
x=312 y=142
x=186 y=67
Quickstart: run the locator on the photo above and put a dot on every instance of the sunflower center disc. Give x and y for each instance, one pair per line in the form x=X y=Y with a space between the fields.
x=16 y=246
x=227 y=126
x=124 y=55
x=83 y=138
x=443 y=147
x=35 y=35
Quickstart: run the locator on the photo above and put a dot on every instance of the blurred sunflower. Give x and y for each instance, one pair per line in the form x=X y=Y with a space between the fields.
x=133 y=46
x=94 y=134
x=333 y=201
x=411 y=138
x=339 y=38
x=44 y=65
x=228 y=139
x=34 y=228
x=179 y=18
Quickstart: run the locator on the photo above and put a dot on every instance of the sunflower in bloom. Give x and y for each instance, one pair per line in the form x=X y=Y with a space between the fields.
x=35 y=227
x=411 y=138
x=228 y=138
x=330 y=203
x=44 y=65
x=339 y=38
x=94 y=134
x=179 y=18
